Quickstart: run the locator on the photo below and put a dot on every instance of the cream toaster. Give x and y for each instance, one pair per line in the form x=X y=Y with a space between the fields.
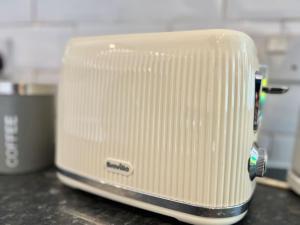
x=166 y=122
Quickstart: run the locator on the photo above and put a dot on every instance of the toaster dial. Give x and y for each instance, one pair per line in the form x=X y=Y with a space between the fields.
x=257 y=162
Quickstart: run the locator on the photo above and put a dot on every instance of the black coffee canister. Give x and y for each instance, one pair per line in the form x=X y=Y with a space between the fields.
x=26 y=127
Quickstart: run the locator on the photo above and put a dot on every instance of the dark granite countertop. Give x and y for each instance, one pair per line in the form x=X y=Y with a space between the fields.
x=40 y=199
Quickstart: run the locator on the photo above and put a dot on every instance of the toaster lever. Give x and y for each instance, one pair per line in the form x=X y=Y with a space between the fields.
x=275 y=90
x=257 y=162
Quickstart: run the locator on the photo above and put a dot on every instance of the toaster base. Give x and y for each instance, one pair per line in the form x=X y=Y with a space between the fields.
x=294 y=181
x=86 y=184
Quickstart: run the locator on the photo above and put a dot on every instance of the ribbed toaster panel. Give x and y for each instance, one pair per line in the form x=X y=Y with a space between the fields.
x=183 y=117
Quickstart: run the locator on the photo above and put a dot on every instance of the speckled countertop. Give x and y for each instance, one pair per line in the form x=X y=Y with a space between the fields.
x=40 y=199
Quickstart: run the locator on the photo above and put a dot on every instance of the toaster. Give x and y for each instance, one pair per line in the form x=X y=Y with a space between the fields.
x=166 y=122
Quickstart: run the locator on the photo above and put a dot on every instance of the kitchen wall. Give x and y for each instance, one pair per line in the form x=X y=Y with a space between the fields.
x=33 y=34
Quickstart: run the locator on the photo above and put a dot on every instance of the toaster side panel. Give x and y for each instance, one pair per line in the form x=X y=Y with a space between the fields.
x=180 y=116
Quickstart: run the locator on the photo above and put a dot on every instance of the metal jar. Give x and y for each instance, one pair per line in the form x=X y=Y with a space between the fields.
x=26 y=127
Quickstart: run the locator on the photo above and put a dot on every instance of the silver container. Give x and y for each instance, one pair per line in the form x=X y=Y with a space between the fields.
x=26 y=127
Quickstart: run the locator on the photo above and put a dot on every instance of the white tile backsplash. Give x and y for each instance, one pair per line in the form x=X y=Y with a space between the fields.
x=263 y=9
x=281 y=111
x=37 y=47
x=265 y=140
x=168 y=11
x=15 y=11
x=285 y=64
x=281 y=153
x=265 y=28
x=291 y=28
x=181 y=25
x=95 y=29
x=77 y=10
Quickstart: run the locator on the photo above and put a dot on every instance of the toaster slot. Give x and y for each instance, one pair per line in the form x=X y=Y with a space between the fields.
x=258 y=102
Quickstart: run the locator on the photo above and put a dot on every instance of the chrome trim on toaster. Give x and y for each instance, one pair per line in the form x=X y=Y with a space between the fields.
x=159 y=201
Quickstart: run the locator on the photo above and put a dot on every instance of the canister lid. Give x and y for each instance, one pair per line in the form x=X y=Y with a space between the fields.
x=26 y=89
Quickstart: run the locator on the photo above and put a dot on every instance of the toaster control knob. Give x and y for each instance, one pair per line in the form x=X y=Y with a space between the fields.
x=257 y=162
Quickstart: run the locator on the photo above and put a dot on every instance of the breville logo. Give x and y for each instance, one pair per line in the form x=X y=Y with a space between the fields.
x=118 y=166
